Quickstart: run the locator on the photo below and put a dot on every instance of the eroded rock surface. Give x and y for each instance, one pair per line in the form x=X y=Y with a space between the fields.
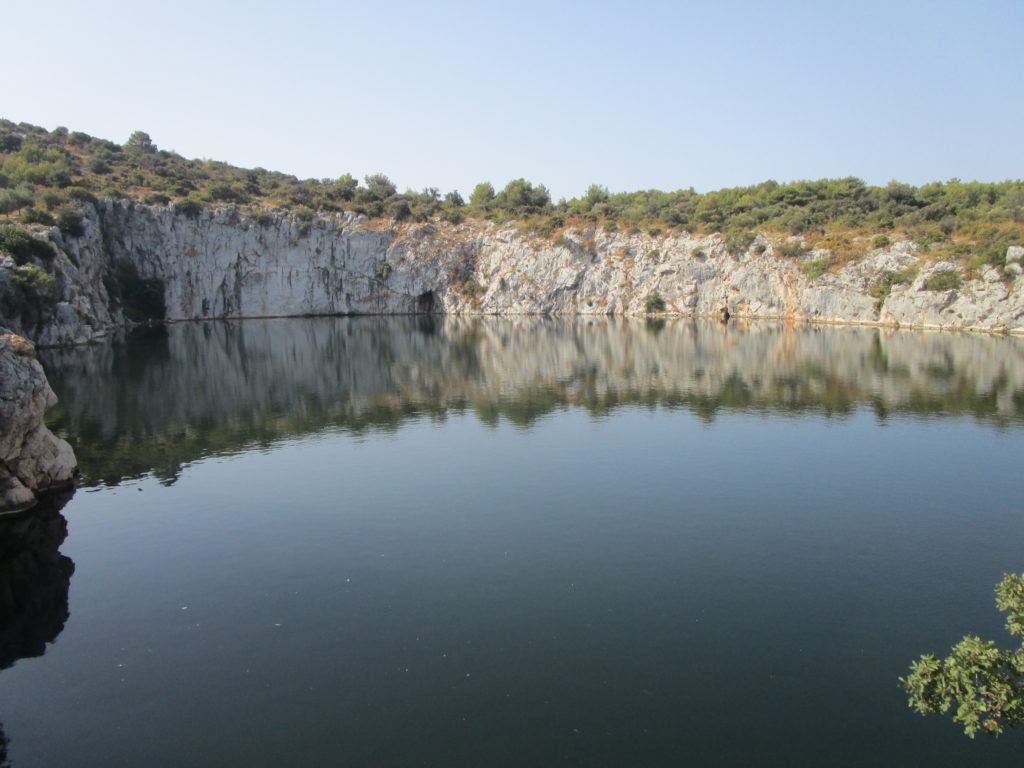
x=32 y=459
x=223 y=263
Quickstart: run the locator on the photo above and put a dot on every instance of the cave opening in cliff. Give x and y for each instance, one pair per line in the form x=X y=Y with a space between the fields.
x=426 y=303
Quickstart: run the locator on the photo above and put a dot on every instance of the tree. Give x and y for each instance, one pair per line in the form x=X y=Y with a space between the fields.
x=380 y=186
x=141 y=140
x=520 y=197
x=482 y=195
x=984 y=683
x=345 y=186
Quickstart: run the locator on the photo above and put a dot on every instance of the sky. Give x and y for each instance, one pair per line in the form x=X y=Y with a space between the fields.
x=638 y=95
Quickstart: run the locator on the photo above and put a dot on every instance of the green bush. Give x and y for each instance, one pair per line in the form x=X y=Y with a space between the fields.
x=382 y=270
x=14 y=199
x=51 y=199
x=943 y=281
x=791 y=249
x=981 y=684
x=738 y=241
x=188 y=208
x=471 y=288
x=654 y=303
x=35 y=280
x=817 y=268
x=880 y=241
x=22 y=246
x=35 y=216
x=882 y=287
x=69 y=219
x=80 y=194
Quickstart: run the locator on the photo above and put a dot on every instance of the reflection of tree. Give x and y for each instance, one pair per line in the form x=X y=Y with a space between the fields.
x=34 y=582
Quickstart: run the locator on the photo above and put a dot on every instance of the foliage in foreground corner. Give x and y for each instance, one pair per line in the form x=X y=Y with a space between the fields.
x=983 y=685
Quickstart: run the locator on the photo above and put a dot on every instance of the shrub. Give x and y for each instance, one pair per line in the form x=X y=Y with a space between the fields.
x=737 y=241
x=981 y=684
x=99 y=165
x=263 y=218
x=399 y=209
x=699 y=253
x=34 y=280
x=791 y=249
x=51 y=198
x=943 y=281
x=35 y=216
x=69 y=219
x=188 y=207
x=9 y=142
x=382 y=270
x=817 y=268
x=654 y=303
x=882 y=287
x=22 y=246
x=471 y=288
x=156 y=199
x=81 y=194
x=880 y=241
x=13 y=199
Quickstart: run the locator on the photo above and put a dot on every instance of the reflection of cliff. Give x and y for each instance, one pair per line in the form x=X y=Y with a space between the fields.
x=34 y=580
x=198 y=389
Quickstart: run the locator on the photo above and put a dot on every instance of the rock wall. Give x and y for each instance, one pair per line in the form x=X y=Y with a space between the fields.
x=32 y=459
x=222 y=263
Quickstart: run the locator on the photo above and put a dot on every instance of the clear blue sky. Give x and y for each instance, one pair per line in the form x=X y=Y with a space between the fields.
x=630 y=95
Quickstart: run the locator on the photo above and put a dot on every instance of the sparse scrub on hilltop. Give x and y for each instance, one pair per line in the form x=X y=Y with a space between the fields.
x=971 y=222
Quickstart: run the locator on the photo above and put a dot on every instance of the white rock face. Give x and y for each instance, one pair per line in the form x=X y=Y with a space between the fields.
x=32 y=459
x=223 y=264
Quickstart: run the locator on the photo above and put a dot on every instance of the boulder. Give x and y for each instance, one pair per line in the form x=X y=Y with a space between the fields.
x=32 y=459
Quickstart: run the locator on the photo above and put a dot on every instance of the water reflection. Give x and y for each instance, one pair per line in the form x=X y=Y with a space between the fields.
x=153 y=404
x=34 y=582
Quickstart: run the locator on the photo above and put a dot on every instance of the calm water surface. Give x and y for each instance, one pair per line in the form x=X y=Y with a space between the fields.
x=405 y=542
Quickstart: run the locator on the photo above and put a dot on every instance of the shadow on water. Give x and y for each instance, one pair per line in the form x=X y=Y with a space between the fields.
x=34 y=582
x=158 y=401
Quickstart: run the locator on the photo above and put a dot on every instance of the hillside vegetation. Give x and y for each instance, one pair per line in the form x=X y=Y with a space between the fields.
x=46 y=175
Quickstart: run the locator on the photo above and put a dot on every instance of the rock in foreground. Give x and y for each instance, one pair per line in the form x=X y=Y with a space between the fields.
x=32 y=459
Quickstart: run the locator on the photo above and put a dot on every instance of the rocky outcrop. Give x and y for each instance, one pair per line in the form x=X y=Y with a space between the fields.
x=32 y=459
x=224 y=263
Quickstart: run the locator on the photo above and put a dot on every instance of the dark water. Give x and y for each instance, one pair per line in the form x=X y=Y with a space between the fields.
x=460 y=543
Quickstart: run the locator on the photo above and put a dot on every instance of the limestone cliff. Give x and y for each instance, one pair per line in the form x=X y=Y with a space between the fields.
x=224 y=263
x=32 y=459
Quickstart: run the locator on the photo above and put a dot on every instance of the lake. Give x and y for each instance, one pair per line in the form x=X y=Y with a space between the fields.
x=503 y=542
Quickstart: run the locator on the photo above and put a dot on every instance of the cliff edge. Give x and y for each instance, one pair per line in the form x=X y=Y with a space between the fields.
x=133 y=262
